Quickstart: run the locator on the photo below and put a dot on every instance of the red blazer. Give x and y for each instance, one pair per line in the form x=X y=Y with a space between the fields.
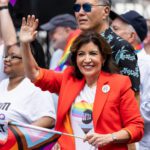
x=112 y=111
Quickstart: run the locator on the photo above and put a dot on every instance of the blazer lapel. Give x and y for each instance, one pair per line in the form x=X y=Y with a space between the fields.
x=102 y=92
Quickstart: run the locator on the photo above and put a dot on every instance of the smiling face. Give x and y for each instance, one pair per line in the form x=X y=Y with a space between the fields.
x=89 y=61
x=93 y=20
x=13 y=65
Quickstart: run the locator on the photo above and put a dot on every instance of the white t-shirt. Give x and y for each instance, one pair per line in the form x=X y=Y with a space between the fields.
x=56 y=58
x=26 y=103
x=144 y=66
x=2 y=75
x=81 y=116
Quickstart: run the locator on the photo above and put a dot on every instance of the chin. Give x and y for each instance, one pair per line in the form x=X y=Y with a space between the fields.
x=88 y=74
x=6 y=72
x=84 y=27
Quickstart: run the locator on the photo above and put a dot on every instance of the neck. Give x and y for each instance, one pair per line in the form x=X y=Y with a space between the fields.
x=92 y=81
x=103 y=27
x=13 y=82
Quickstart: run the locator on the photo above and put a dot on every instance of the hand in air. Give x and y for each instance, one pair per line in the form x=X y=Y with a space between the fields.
x=4 y=2
x=28 y=30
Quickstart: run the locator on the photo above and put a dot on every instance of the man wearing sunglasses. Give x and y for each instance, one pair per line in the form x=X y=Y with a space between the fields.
x=94 y=15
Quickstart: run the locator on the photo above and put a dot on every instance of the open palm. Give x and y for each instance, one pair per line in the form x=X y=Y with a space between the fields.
x=4 y=2
x=28 y=29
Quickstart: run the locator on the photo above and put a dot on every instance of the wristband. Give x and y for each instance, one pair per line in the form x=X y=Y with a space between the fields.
x=114 y=138
x=3 y=7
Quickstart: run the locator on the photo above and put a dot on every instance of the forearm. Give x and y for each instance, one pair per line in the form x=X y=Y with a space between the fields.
x=45 y=122
x=100 y=140
x=30 y=65
x=7 y=27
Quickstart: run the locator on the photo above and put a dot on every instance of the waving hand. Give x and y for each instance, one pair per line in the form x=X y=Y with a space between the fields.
x=28 y=30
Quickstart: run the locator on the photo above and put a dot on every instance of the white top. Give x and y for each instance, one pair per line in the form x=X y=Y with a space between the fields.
x=26 y=103
x=2 y=75
x=56 y=58
x=141 y=54
x=144 y=66
x=81 y=117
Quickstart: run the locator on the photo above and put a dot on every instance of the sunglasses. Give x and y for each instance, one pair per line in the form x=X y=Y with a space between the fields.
x=87 y=7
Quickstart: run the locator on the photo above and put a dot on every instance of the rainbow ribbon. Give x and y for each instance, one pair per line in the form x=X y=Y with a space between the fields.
x=138 y=47
x=64 y=59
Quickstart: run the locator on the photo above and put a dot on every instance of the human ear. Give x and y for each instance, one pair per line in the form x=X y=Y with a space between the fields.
x=106 y=12
x=132 y=37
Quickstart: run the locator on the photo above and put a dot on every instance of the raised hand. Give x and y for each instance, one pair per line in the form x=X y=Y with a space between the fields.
x=4 y=2
x=28 y=30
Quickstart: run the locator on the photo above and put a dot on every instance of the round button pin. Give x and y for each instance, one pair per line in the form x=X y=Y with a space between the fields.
x=105 y=88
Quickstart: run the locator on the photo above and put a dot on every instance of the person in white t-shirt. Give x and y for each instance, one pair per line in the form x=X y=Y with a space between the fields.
x=20 y=100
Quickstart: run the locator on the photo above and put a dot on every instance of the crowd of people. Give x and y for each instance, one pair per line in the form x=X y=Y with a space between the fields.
x=97 y=83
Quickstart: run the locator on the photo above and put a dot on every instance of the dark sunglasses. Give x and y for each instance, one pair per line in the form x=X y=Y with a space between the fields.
x=87 y=7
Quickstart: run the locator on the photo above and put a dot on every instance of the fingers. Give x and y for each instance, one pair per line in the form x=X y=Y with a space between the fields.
x=34 y=34
x=98 y=140
x=4 y=2
x=31 y=22
x=93 y=140
x=88 y=137
x=28 y=30
x=35 y=24
x=23 y=21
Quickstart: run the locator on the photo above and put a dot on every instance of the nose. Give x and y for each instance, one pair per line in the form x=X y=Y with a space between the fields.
x=87 y=59
x=81 y=10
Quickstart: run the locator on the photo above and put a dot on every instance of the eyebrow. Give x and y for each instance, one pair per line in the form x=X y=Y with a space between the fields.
x=96 y=50
x=13 y=54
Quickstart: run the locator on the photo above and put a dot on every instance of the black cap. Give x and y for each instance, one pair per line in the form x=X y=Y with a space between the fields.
x=64 y=20
x=133 y=18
